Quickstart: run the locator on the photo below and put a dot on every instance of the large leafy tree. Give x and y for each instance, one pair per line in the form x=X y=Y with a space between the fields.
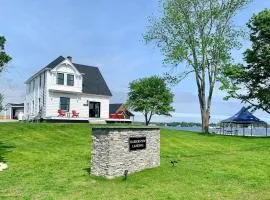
x=150 y=96
x=250 y=82
x=4 y=59
x=199 y=34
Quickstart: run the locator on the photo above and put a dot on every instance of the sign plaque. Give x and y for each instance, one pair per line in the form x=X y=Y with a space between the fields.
x=137 y=143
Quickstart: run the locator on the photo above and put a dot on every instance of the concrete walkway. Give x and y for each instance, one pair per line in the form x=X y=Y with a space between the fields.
x=8 y=120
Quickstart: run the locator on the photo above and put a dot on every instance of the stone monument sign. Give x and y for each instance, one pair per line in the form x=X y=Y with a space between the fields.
x=119 y=149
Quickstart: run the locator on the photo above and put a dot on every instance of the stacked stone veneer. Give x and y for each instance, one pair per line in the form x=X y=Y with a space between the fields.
x=111 y=155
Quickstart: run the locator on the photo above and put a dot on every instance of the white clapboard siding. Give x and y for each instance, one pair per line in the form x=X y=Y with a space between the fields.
x=64 y=68
x=49 y=93
x=33 y=94
x=104 y=104
x=78 y=102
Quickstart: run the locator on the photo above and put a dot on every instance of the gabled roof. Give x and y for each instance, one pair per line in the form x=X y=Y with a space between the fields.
x=114 y=107
x=93 y=81
x=51 y=65
x=129 y=113
x=55 y=62
x=243 y=117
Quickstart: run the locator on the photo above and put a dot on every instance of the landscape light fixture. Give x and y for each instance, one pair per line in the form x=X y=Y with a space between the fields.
x=125 y=174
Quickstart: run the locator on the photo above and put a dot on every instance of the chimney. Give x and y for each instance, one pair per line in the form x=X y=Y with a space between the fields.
x=70 y=58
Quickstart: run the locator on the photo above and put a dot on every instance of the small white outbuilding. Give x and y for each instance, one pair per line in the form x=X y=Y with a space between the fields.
x=13 y=111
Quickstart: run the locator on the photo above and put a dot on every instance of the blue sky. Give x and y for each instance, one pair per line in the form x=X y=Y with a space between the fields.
x=102 y=33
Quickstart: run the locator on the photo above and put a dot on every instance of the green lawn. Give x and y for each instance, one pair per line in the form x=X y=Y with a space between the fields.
x=51 y=161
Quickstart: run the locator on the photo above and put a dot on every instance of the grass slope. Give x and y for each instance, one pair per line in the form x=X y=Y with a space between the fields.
x=51 y=161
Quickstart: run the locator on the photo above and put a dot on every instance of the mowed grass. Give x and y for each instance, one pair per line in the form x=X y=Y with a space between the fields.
x=51 y=161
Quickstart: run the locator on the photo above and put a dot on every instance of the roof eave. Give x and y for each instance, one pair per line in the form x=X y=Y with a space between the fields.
x=243 y=122
x=106 y=95
x=35 y=75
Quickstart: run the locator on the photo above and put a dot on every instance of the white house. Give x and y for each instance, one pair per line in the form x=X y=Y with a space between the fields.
x=63 y=88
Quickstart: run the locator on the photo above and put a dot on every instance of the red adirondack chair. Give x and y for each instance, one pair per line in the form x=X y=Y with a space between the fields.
x=75 y=114
x=116 y=116
x=61 y=113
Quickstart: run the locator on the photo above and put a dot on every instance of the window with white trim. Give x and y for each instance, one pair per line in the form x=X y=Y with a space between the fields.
x=64 y=103
x=70 y=79
x=60 y=78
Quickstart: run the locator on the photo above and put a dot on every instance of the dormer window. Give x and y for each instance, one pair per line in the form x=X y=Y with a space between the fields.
x=60 y=79
x=70 y=79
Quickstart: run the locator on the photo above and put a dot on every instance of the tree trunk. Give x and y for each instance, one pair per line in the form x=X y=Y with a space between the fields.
x=205 y=116
x=205 y=121
x=204 y=105
x=146 y=120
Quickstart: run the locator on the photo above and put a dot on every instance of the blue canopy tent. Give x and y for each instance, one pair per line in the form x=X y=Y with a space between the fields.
x=244 y=119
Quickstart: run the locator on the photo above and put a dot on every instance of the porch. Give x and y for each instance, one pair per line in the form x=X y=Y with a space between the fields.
x=85 y=120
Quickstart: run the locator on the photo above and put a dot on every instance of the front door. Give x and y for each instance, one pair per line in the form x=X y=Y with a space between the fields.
x=13 y=113
x=94 y=109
